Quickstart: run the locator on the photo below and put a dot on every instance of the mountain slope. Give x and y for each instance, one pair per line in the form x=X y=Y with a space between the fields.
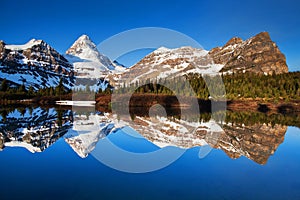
x=166 y=63
x=35 y=64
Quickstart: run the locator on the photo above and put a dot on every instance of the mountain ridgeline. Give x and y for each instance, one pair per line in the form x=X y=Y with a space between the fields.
x=259 y=55
x=36 y=65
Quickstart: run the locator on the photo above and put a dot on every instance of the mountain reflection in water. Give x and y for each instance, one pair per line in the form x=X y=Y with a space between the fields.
x=36 y=128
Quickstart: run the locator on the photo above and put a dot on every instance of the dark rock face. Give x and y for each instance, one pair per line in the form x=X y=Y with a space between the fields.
x=2 y=48
x=258 y=54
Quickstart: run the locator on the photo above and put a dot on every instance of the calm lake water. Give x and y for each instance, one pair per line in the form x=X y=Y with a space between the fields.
x=55 y=153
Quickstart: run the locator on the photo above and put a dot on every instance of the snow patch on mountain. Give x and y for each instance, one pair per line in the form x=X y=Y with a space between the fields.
x=25 y=145
x=167 y=63
x=28 y=45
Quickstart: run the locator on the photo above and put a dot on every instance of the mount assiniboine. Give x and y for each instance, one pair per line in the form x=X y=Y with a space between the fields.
x=88 y=61
x=37 y=64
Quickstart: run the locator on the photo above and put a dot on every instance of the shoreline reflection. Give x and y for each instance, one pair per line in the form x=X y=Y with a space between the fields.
x=36 y=129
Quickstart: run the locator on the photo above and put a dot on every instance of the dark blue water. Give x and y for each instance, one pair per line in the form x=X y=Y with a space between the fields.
x=59 y=173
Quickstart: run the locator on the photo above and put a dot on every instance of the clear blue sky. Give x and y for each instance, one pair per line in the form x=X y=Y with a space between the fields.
x=211 y=23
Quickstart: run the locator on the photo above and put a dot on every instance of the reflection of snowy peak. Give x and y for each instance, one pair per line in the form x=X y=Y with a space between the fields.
x=86 y=132
x=34 y=129
x=256 y=142
x=88 y=61
x=85 y=143
x=163 y=131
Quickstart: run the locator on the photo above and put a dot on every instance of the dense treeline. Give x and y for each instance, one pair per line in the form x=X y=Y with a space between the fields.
x=17 y=93
x=234 y=86
x=252 y=118
x=237 y=86
x=281 y=86
x=240 y=118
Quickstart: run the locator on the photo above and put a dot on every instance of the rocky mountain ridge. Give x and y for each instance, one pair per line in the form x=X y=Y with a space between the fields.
x=258 y=54
x=37 y=64
x=34 y=64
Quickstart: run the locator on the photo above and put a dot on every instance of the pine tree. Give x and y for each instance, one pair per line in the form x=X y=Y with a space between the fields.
x=4 y=85
x=22 y=89
x=59 y=89
x=31 y=90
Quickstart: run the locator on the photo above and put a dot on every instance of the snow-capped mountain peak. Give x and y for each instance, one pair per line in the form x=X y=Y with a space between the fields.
x=82 y=43
x=161 y=49
x=84 y=38
x=84 y=48
x=87 y=60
